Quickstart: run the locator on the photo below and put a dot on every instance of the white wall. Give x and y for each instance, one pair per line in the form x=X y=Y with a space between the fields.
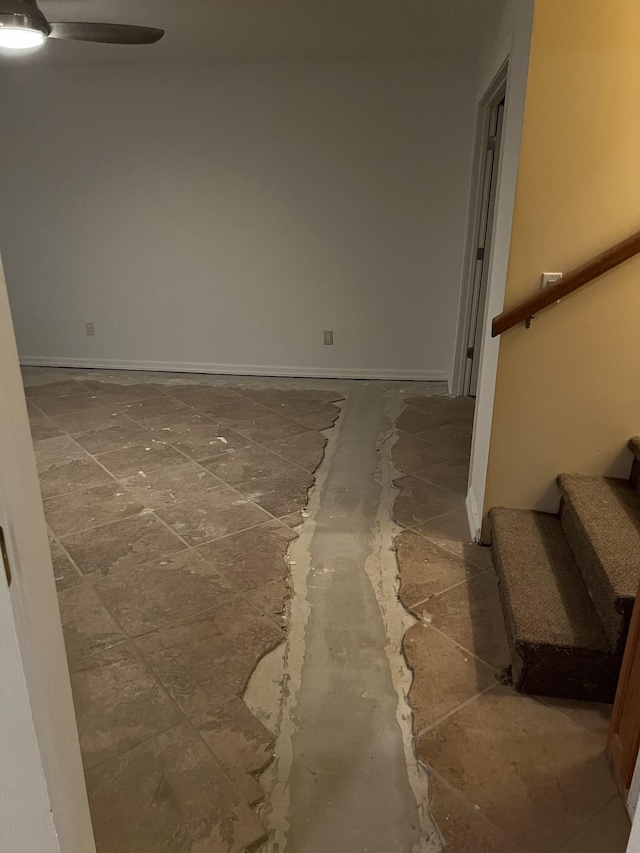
x=219 y=217
x=510 y=40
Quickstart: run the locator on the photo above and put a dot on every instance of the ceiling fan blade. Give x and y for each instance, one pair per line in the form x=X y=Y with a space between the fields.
x=106 y=33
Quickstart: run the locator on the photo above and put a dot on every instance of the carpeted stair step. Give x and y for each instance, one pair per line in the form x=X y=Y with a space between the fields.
x=601 y=520
x=558 y=647
x=634 y=447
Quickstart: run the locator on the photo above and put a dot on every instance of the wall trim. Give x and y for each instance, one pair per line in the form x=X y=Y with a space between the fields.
x=473 y=516
x=236 y=369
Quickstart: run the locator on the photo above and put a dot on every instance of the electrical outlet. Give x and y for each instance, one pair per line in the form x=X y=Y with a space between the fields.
x=328 y=337
x=548 y=278
x=89 y=329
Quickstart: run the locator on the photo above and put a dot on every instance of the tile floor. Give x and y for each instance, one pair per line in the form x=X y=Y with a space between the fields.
x=170 y=508
x=171 y=505
x=510 y=773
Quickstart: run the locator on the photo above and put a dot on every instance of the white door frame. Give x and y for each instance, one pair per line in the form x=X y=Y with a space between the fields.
x=43 y=799
x=513 y=45
x=493 y=95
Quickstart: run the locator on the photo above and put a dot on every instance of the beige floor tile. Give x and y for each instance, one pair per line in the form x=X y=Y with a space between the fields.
x=280 y=494
x=34 y=412
x=56 y=451
x=455 y=408
x=238 y=739
x=202 y=396
x=607 y=832
x=247 y=464
x=143 y=410
x=451 y=531
x=239 y=411
x=443 y=675
x=271 y=428
x=119 y=703
x=212 y=515
x=462 y=827
x=411 y=454
x=419 y=416
x=169 y=794
x=77 y=423
x=198 y=436
x=117 y=394
x=43 y=428
x=292 y=520
x=146 y=456
x=115 y=433
x=172 y=484
x=65 y=574
x=452 y=475
x=317 y=417
x=72 y=476
x=86 y=625
x=53 y=390
x=148 y=596
x=253 y=557
x=122 y=544
x=271 y=600
x=83 y=402
x=89 y=508
x=426 y=569
x=284 y=401
x=419 y=501
x=592 y=716
x=471 y=615
x=455 y=436
x=530 y=770
x=206 y=661
x=305 y=450
x=247 y=786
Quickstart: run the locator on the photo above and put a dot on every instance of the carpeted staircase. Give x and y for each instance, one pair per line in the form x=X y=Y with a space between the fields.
x=568 y=584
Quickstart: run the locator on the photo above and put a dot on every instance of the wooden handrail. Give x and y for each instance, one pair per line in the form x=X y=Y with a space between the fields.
x=577 y=278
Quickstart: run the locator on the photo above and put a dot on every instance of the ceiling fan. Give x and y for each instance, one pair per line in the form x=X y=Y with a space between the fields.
x=22 y=26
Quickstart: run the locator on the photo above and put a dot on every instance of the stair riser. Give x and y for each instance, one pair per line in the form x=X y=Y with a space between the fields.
x=543 y=670
x=607 y=607
x=549 y=671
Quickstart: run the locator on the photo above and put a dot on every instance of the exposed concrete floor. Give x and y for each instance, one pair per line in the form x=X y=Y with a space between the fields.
x=345 y=776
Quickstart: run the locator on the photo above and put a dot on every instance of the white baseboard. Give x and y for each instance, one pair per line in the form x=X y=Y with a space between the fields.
x=237 y=369
x=473 y=516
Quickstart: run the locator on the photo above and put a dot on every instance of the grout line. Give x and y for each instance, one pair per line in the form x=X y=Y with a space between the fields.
x=443 y=591
x=414 y=529
x=469 y=806
x=445 y=717
x=544 y=700
x=456 y=453
x=497 y=669
x=74 y=566
x=591 y=819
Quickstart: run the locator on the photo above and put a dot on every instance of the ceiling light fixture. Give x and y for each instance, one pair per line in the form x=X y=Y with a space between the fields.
x=23 y=26
x=22 y=32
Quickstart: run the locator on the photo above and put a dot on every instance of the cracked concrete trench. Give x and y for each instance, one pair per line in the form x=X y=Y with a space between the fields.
x=344 y=775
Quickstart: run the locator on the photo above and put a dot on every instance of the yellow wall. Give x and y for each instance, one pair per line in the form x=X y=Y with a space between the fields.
x=568 y=389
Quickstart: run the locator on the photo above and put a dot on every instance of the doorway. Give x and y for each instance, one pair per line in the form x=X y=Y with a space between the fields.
x=483 y=208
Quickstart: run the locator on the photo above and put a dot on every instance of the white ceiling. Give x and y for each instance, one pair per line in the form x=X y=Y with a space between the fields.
x=276 y=29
